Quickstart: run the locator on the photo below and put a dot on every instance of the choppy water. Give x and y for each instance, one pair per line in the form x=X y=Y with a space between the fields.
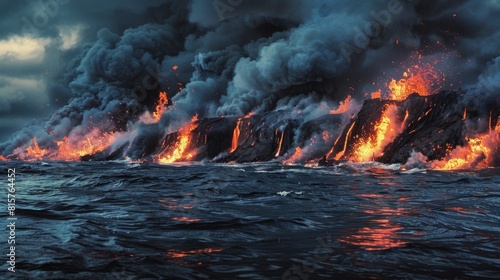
x=255 y=221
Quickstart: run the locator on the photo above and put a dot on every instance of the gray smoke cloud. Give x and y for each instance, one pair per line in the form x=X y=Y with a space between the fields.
x=234 y=57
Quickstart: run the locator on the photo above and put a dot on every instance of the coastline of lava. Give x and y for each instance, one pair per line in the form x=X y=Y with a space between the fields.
x=431 y=128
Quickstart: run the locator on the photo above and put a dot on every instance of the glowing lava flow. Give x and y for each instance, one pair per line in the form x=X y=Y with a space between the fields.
x=297 y=155
x=343 y=106
x=34 y=152
x=73 y=148
x=236 y=136
x=385 y=131
x=424 y=80
x=478 y=153
x=180 y=147
x=280 y=144
x=2 y=158
x=161 y=106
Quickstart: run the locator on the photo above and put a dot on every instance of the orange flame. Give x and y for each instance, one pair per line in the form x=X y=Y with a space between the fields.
x=424 y=80
x=377 y=94
x=297 y=155
x=180 y=147
x=385 y=131
x=34 y=152
x=160 y=107
x=72 y=148
x=478 y=153
x=2 y=158
x=343 y=106
x=236 y=136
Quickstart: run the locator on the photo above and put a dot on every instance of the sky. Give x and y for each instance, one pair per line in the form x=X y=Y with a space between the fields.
x=225 y=58
x=31 y=58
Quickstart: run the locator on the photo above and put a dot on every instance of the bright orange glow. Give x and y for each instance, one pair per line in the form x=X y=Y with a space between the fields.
x=72 y=148
x=181 y=254
x=385 y=131
x=186 y=219
x=343 y=106
x=465 y=114
x=475 y=154
x=297 y=155
x=2 y=158
x=34 y=152
x=424 y=80
x=382 y=235
x=175 y=67
x=280 y=144
x=161 y=106
x=403 y=124
x=480 y=152
x=180 y=148
x=377 y=94
x=236 y=136
x=348 y=135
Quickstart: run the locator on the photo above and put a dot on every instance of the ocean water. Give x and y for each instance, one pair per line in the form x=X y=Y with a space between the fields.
x=116 y=220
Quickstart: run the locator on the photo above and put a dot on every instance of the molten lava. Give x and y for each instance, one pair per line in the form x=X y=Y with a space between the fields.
x=424 y=80
x=73 y=147
x=161 y=106
x=385 y=131
x=377 y=94
x=180 y=151
x=280 y=144
x=34 y=152
x=236 y=136
x=297 y=155
x=478 y=153
x=343 y=106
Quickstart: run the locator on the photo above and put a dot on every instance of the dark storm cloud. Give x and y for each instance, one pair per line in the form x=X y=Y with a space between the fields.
x=233 y=57
x=87 y=17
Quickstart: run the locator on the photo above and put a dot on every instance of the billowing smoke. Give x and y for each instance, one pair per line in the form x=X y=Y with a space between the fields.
x=230 y=58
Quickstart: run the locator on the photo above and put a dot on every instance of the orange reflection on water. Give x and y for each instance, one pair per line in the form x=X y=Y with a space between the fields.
x=174 y=204
x=175 y=254
x=186 y=219
x=382 y=235
x=381 y=231
x=465 y=211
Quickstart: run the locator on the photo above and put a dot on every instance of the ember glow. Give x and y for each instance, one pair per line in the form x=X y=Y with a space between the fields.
x=34 y=152
x=73 y=147
x=278 y=152
x=180 y=151
x=343 y=106
x=385 y=131
x=161 y=107
x=424 y=80
x=478 y=153
x=236 y=136
x=296 y=156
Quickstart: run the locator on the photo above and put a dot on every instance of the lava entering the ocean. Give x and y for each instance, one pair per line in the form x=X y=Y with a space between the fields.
x=180 y=148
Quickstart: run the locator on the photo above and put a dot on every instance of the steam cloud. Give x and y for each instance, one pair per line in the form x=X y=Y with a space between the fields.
x=263 y=56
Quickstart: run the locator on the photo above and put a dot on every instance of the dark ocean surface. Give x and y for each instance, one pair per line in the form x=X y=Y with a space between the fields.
x=118 y=220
